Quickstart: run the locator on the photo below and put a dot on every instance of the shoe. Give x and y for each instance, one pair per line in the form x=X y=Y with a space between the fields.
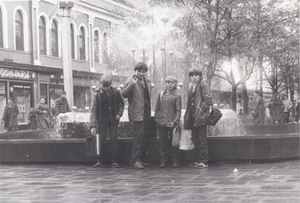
x=137 y=165
x=202 y=165
x=162 y=165
x=175 y=165
x=115 y=165
x=98 y=165
x=194 y=165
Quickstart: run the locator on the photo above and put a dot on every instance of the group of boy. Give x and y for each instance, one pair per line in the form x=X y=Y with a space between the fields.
x=108 y=106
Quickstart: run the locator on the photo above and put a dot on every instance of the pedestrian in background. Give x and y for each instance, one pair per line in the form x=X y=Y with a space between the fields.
x=258 y=108
x=137 y=90
x=167 y=117
x=10 y=116
x=32 y=119
x=287 y=106
x=277 y=109
x=43 y=113
x=106 y=111
x=61 y=104
x=198 y=103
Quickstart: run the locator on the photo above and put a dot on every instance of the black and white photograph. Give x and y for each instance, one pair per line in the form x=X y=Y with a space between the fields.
x=149 y=101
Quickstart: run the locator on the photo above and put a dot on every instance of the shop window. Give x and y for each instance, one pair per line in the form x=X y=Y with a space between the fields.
x=54 y=38
x=42 y=36
x=96 y=46
x=19 y=29
x=54 y=92
x=43 y=91
x=72 y=42
x=2 y=102
x=1 y=29
x=82 y=44
x=82 y=97
x=105 y=48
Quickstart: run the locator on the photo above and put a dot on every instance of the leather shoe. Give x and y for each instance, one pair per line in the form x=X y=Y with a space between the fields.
x=137 y=165
x=98 y=165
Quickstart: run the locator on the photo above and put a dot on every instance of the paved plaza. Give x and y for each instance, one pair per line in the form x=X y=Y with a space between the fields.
x=260 y=182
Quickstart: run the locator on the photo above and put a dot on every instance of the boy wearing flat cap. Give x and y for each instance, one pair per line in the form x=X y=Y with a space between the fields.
x=198 y=103
x=106 y=111
x=61 y=104
x=137 y=90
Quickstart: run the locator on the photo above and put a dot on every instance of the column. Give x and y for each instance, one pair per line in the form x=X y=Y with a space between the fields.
x=35 y=33
x=91 y=44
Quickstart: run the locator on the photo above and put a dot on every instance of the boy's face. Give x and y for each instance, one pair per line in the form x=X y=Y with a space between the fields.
x=140 y=73
x=195 y=78
x=170 y=85
x=105 y=88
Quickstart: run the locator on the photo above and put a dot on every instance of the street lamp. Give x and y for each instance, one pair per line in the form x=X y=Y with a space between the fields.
x=132 y=50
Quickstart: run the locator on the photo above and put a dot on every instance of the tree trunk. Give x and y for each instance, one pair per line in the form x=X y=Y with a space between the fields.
x=245 y=98
x=233 y=97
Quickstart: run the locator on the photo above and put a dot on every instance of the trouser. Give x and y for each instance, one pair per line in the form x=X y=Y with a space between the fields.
x=112 y=128
x=165 y=137
x=199 y=139
x=286 y=116
x=138 y=141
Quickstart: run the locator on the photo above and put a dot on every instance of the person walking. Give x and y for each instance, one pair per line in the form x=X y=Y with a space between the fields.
x=167 y=117
x=137 y=90
x=106 y=111
x=258 y=110
x=277 y=109
x=61 y=104
x=10 y=116
x=43 y=113
x=287 y=106
x=198 y=104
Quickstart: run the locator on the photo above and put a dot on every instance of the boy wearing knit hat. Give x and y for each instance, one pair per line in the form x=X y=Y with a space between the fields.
x=107 y=108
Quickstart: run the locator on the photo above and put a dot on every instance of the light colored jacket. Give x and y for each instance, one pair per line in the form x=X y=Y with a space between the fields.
x=167 y=109
x=135 y=94
x=287 y=104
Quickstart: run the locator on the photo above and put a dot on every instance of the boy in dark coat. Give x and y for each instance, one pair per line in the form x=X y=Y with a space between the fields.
x=10 y=115
x=32 y=119
x=106 y=111
x=61 y=104
x=167 y=117
x=198 y=103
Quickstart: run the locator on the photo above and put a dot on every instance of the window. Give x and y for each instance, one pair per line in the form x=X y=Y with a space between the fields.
x=82 y=44
x=42 y=35
x=96 y=46
x=19 y=31
x=1 y=29
x=105 y=48
x=54 y=38
x=72 y=42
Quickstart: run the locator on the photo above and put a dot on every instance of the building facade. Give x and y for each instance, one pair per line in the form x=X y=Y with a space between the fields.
x=41 y=39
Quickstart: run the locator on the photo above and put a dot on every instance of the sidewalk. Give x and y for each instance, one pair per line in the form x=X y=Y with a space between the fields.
x=269 y=182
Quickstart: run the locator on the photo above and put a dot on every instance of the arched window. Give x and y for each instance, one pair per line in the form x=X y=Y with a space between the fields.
x=72 y=42
x=42 y=36
x=105 y=48
x=1 y=29
x=96 y=47
x=54 y=38
x=19 y=31
x=82 y=44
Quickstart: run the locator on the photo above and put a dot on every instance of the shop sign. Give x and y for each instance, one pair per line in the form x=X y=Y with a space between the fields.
x=17 y=74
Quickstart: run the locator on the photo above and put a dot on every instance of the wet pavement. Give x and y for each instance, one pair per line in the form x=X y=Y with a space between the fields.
x=260 y=182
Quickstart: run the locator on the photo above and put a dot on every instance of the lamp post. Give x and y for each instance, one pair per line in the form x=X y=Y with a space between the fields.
x=165 y=20
x=132 y=50
x=66 y=50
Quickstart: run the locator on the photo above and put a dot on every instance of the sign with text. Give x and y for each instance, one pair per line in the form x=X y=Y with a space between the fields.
x=17 y=74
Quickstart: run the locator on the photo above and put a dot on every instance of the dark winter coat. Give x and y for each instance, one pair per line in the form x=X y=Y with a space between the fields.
x=136 y=99
x=43 y=118
x=61 y=105
x=167 y=109
x=10 y=115
x=203 y=101
x=96 y=109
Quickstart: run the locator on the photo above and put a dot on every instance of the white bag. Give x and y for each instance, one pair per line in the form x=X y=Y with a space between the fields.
x=176 y=137
x=186 y=142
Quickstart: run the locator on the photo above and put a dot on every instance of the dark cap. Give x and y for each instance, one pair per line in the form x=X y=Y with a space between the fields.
x=141 y=66
x=195 y=71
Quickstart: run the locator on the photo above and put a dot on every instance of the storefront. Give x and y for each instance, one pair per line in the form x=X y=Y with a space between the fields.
x=18 y=85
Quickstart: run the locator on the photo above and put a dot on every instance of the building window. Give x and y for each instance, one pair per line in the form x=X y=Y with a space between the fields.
x=72 y=42
x=19 y=31
x=96 y=46
x=105 y=48
x=1 y=29
x=54 y=38
x=42 y=35
x=82 y=44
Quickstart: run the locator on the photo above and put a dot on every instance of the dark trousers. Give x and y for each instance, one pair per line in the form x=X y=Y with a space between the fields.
x=199 y=139
x=286 y=116
x=138 y=141
x=112 y=128
x=165 y=137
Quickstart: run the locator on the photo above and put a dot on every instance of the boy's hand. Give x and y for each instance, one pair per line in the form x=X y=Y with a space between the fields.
x=117 y=117
x=171 y=125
